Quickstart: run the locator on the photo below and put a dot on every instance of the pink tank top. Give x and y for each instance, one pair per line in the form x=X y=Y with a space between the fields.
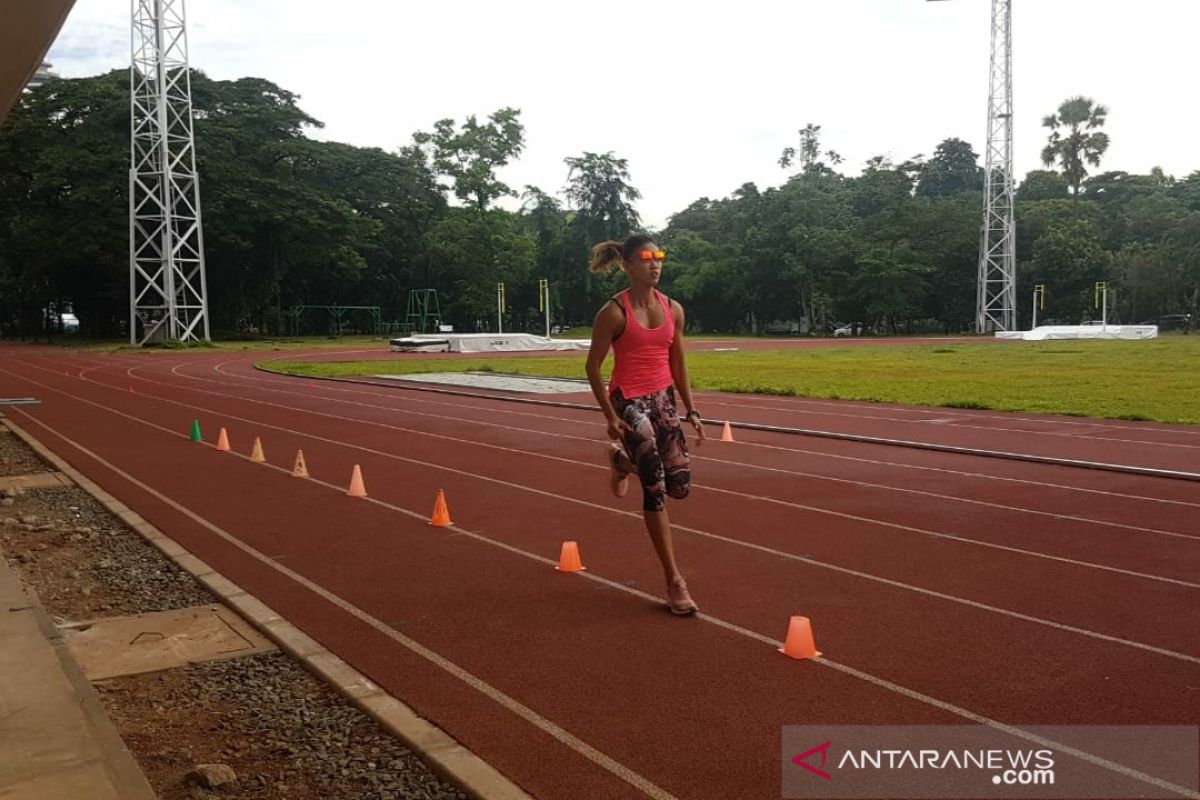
x=642 y=355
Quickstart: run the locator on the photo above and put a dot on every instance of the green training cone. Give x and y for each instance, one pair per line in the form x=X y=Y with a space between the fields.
x=196 y=437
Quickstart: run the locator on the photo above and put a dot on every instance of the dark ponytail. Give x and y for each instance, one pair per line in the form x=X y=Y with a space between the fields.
x=607 y=256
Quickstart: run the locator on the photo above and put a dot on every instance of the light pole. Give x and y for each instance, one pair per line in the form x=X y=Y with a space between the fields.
x=544 y=301
x=500 y=308
x=168 y=290
x=1101 y=302
x=996 y=306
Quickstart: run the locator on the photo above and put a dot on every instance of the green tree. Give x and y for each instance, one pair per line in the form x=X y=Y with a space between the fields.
x=1069 y=260
x=598 y=188
x=281 y=228
x=474 y=250
x=794 y=241
x=394 y=192
x=944 y=237
x=709 y=279
x=1040 y=184
x=64 y=216
x=1121 y=187
x=471 y=154
x=1145 y=276
x=1076 y=139
x=1183 y=250
x=1187 y=191
x=888 y=286
x=547 y=221
x=953 y=168
x=810 y=152
x=602 y=201
x=287 y=220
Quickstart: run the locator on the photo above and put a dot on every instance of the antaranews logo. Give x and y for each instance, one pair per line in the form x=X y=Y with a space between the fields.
x=802 y=760
x=865 y=762
x=1001 y=766
x=1010 y=767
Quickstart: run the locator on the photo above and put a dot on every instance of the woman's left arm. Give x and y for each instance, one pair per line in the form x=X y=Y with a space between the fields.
x=679 y=372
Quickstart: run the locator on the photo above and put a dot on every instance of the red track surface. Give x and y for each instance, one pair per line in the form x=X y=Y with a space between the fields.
x=937 y=584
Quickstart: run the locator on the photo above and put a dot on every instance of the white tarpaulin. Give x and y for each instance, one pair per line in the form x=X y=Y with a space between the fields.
x=496 y=381
x=1083 y=332
x=483 y=343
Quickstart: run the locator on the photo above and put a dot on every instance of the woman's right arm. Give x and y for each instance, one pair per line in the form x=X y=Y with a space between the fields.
x=604 y=327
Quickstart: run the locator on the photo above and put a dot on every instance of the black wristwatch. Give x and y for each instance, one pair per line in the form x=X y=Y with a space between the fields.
x=693 y=413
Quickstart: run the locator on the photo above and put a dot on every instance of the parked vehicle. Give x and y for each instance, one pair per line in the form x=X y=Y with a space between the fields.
x=850 y=329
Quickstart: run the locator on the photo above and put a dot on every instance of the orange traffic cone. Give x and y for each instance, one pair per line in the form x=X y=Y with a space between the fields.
x=357 y=489
x=256 y=454
x=300 y=469
x=441 y=514
x=568 y=560
x=223 y=441
x=799 y=642
x=727 y=433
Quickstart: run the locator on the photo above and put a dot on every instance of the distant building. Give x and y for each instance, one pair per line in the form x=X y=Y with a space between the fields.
x=43 y=76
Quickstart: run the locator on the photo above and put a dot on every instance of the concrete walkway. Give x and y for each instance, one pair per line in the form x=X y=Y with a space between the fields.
x=56 y=741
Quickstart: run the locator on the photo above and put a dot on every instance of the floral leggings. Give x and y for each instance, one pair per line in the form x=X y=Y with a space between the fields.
x=655 y=446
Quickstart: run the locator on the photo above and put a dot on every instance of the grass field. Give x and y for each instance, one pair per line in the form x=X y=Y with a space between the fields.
x=1155 y=380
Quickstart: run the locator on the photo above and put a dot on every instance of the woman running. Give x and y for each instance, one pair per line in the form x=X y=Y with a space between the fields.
x=645 y=330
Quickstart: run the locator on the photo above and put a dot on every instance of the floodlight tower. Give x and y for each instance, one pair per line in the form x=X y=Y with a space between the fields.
x=167 y=286
x=996 y=308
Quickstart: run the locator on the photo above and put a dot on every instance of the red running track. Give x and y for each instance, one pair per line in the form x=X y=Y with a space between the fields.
x=942 y=588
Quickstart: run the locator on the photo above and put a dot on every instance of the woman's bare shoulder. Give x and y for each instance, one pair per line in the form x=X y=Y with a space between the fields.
x=610 y=313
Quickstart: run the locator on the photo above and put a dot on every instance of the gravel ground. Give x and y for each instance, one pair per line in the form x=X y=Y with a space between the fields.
x=84 y=563
x=17 y=459
x=285 y=734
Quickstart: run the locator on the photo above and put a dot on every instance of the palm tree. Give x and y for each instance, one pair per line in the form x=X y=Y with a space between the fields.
x=1079 y=118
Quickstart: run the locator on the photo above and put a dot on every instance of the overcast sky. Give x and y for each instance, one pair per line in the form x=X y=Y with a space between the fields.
x=699 y=97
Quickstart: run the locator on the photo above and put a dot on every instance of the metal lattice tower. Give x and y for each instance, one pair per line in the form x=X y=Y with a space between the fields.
x=167 y=289
x=997 y=291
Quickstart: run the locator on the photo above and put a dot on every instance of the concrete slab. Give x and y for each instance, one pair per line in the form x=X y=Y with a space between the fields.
x=106 y=648
x=40 y=480
x=55 y=740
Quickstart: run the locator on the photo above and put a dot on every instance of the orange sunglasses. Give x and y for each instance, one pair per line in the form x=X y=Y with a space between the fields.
x=652 y=255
